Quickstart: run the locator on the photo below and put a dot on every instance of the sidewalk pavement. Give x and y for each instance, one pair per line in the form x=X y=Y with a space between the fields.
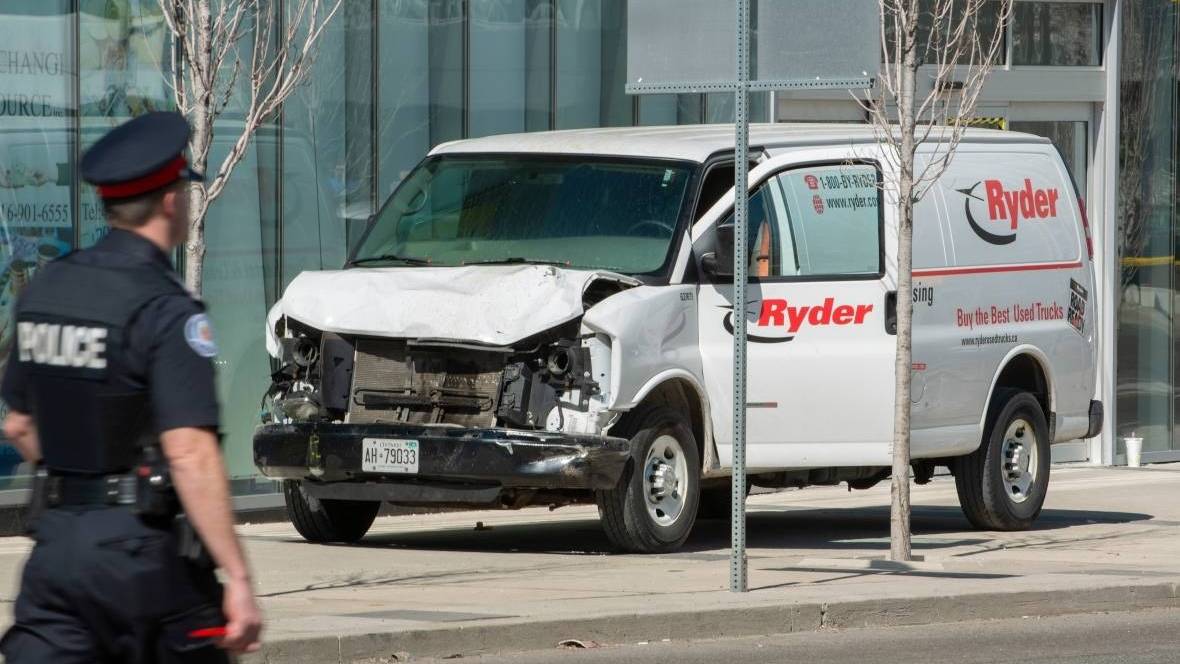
x=478 y=582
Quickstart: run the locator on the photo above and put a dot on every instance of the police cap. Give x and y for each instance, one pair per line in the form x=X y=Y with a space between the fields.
x=139 y=156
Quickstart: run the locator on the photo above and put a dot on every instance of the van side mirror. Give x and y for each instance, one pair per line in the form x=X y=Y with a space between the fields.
x=891 y=313
x=719 y=262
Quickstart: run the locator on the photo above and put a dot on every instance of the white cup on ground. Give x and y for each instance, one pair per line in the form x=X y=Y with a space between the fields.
x=1134 y=445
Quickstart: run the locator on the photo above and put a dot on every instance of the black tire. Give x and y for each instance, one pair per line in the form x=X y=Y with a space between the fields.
x=323 y=521
x=981 y=477
x=628 y=522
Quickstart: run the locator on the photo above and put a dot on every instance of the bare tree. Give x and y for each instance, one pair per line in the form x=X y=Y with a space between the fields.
x=218 y=42
x=950 y=45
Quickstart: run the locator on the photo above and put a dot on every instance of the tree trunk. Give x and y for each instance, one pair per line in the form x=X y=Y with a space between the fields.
x=194 y=248
x=201 y=117
x=899 y=515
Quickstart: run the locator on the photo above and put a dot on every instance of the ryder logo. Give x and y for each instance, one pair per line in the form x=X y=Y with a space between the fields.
x=779 y=316
x=1008 y=206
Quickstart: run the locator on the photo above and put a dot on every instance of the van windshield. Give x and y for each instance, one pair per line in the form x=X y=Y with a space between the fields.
x=613 y=214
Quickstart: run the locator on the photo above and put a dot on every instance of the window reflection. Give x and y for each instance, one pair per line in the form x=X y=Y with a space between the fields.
x=1057 y=33
x=1146 y=387
x=123 y=51
x=36 y=157
x=932 y=44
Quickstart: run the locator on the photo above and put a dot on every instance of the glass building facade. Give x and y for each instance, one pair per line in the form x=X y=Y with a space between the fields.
x=1148 y=247
x=393 y=78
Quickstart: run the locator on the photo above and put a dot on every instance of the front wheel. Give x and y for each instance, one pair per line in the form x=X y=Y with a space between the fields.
x=653 y=508
x=327 y=520
x=1002 y=485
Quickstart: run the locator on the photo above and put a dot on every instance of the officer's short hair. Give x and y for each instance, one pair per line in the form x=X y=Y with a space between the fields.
x=135 y=211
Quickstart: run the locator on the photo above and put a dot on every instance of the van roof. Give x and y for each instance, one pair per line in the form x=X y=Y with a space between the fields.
x=693 y=142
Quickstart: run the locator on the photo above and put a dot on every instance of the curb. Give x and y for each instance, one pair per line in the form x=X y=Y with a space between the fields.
x=523 y=635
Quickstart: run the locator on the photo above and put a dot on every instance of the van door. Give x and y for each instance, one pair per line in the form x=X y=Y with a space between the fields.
x=821 y=354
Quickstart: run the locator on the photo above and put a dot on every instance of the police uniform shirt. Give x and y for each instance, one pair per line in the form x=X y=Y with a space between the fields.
x=169 y=346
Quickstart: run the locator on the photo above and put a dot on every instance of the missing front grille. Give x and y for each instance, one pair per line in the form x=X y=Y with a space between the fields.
x=393 y=383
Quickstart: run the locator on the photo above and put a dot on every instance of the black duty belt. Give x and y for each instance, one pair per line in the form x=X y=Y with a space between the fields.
x=103 y=490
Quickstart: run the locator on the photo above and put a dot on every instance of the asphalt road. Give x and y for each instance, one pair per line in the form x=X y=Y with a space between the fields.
x=1146 y=637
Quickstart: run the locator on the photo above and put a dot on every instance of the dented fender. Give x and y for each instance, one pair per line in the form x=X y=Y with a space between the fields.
x=653 y=332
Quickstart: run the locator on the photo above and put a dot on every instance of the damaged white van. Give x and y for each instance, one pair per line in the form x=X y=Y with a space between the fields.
x=547 y=319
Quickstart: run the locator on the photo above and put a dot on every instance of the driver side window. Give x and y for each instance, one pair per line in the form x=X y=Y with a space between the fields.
x=816 y=221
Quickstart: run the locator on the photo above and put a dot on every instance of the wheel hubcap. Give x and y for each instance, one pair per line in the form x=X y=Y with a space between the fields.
x=1019 y=460
x=665 y=480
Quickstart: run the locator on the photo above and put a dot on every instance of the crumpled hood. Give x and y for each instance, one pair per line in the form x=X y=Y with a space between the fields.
x=490 y=304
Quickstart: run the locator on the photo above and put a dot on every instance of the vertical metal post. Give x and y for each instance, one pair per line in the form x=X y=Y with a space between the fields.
x=737 y=559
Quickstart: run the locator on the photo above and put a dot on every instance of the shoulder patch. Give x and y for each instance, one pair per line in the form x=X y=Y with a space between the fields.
x=198 y=332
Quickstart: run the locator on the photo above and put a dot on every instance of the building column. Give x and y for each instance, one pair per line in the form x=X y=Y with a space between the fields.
x=1106 y=265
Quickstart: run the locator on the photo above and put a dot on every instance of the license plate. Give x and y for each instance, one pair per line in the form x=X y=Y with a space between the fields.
x=389 y=455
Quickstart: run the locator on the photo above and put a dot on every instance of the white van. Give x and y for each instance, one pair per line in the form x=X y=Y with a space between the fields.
x=547 y=318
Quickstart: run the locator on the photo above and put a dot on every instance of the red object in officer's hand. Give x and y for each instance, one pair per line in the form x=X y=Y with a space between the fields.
x=208 y=633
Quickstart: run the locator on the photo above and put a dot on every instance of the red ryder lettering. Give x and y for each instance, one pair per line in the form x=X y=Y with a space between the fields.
x=1014 y=205
x=779 y=313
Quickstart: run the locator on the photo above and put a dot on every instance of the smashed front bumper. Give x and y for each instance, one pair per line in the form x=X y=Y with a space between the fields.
x=495 y=458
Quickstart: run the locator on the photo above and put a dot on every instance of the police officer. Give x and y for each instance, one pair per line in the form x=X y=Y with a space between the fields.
x=110 y=389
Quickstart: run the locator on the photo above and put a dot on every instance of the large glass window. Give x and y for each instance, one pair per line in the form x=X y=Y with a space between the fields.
x=932 y=43
x=591 y=42
x=671 y=109
x=404 y=82
x=579 y=63
x=1057 y=33
x=123 y=54
x=448 y=60
x=719 y=107
x=498 y=67
x=1146 y=390
x=36 y=158
x=538 y=65
x=323 y=190
x=586 y=212
x=239 y=265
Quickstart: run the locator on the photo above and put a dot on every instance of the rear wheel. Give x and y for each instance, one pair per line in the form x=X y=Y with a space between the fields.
x=1002 y=485
x=653 y=508
x=327 y=520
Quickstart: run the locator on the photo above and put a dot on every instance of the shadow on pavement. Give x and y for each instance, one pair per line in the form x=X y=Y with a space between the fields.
x=864 y=528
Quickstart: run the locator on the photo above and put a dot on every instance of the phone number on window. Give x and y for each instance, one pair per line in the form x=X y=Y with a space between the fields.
x=47 y=213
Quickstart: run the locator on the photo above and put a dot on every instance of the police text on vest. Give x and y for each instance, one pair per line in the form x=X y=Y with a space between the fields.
x=63 y=345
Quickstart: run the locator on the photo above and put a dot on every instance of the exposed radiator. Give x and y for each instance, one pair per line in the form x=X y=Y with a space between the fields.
x=396 y=383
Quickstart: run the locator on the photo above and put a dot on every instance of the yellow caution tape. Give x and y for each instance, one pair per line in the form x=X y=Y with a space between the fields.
x=1149 y=261
x=987 y=123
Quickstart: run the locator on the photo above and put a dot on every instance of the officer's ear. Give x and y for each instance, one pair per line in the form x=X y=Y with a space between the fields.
x=170 y=202
x=174 y=206
x=175 y=201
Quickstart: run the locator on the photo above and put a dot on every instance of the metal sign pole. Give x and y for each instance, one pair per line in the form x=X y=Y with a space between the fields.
x=737 y=559
x=679 y=46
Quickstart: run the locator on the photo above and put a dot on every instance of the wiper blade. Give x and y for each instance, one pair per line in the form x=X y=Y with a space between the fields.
x=517 y=260
x=409 y=260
